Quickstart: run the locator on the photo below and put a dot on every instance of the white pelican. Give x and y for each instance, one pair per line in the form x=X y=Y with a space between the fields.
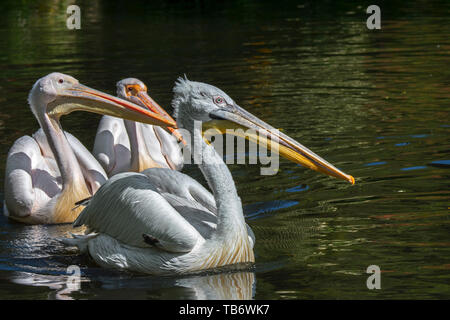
x=124 y=145
x=48 y=173
x=161 y=221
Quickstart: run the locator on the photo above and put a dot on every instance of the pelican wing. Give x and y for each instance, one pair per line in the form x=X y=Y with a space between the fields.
x=181 y=185
x=160 y=147
x=169 y=148
x=129 y=208
x=203 y=220
x=31 y=178
x=193 y=201
x=112 y=146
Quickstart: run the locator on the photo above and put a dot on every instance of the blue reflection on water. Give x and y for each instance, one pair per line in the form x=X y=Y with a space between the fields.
x=440 y=163
x=413 y=168
x=258 y=209
x=302 y=187
x=377 y=163
x=411 y=136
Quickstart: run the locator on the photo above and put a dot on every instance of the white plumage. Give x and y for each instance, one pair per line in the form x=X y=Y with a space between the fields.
x=33 y=177
x=123 y=145
x=48 y=173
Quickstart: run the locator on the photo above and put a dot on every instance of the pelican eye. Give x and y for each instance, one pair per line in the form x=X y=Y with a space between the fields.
x=60 y=81
x=219 y=100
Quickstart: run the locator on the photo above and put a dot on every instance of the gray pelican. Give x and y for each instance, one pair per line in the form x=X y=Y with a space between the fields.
x=48 y=173
x=161 y=221
x=124 y=145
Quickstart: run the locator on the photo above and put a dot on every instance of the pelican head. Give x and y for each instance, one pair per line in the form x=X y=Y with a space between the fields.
x=135 y=90
x=206 y=103
x=132 y=89
x=58 y=94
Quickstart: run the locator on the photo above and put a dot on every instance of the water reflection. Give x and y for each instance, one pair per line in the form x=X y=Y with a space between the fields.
x=222 y=286
x=59 y=288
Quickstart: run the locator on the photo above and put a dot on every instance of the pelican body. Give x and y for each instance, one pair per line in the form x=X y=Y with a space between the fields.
x=48 y=173
x=161 y=221
x=124 y=145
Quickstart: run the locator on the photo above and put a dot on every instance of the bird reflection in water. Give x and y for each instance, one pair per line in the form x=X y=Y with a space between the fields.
x=220 y=286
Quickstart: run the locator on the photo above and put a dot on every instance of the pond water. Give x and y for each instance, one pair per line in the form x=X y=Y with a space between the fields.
x=373 y=102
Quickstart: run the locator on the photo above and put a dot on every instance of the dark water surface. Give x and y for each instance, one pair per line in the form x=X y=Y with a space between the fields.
x=374 y=103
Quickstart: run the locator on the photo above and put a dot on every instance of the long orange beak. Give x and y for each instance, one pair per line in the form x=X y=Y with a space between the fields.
x=151 y=104
x=80 y=97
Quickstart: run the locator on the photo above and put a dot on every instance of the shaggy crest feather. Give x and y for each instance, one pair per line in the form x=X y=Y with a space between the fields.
x=182 y=86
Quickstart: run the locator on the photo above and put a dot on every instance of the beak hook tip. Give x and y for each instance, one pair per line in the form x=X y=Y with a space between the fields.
x=352 y=180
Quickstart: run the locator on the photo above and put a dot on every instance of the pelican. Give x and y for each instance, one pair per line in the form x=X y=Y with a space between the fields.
x=124 y=145
x=49 y=172
x=163 y=222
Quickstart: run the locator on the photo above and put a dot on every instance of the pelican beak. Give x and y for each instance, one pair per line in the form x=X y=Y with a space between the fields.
x=151 y=104
x=78 y=97
x=236 y=117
